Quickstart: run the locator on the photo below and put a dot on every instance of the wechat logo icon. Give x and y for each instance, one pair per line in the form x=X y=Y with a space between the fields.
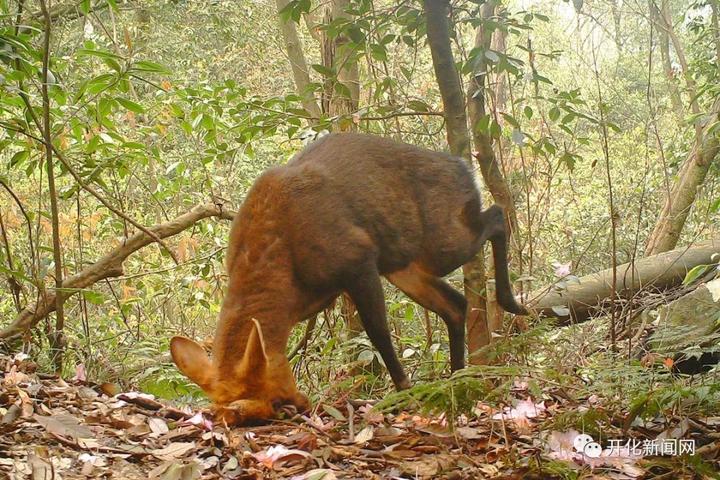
x=585 y=444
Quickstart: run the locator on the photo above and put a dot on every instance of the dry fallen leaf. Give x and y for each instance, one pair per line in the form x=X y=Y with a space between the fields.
x=279 y=455
x=64 y=425
x=364 y=435
x=157 y=426
x=316 y=474
x=176 y=471
x=41 y=469
x=174 y=450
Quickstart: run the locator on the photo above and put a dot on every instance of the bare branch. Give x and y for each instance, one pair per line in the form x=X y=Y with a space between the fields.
x=110 y=265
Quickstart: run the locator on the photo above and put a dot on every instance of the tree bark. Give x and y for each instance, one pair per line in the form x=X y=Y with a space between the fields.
x=296 y=56
x=691 y=176
x=108 y=266
x=694 y=169
x=660 y=271
x=341 y=94
x=57 y=341
x=477 y=106
x=484 y=151
x=658 y=16
x=715 y=20
x=438 y=32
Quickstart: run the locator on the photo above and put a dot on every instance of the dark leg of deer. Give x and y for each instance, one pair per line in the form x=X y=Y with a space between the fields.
x=493 y=221
x=434 y=294
x=366 y=291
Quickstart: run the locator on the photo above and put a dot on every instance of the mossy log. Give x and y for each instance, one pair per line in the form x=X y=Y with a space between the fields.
x=580 y=300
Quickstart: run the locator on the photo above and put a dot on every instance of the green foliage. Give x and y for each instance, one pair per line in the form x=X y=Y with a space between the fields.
x=170 y=104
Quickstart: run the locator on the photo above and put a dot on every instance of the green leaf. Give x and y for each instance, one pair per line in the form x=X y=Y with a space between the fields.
x=100 y=83
x=378 y=52
x=495 y=129
x=147 y=66
x=19 y=157
x=112 y=63
x=96 y=298
x=323 y=70
x=14 y=273
x=511 y=120
x=695 y=273
x=130 y=105
x=334 y=412
x=342 y=90
x=568 y=118
x=418 y=106
x=528 y=111
x=554 y=113
x=91 y=52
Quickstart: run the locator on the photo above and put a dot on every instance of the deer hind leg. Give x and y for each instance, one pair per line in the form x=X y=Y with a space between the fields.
x=365 y=290
x=436 y=295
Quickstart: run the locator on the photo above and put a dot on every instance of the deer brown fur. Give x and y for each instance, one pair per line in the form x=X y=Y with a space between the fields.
x=344 y=211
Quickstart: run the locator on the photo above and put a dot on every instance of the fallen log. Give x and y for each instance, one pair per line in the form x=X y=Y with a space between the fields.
x=579 y=301
x=110 y=265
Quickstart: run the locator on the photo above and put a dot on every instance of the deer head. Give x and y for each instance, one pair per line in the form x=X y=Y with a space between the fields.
x=251 y=389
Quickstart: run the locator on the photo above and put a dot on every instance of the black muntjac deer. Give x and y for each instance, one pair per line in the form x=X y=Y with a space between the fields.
x=343 y=212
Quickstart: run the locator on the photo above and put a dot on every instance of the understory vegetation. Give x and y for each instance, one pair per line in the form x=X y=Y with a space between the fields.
x=593 y=123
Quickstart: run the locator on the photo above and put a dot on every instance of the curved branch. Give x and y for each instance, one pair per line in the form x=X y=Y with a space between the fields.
x=110 y=265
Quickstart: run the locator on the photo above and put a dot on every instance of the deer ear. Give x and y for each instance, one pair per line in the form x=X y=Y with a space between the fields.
x=255 y=358
x=192 y=360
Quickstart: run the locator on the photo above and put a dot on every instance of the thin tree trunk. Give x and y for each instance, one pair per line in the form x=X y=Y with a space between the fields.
x=658 y=17
x=715 y=19
x=694 y=169
x=690 y=84
x=485 y=153
x=342 y=93
x=617 y=18
x=296 y=56
x=57 y=343
x=341 y=97
x=478 y=108
x=15 y=288
x=438 y=32
x=677 y=206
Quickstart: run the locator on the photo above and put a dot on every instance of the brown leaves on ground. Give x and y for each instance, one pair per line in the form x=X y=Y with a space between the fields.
x=52 y=429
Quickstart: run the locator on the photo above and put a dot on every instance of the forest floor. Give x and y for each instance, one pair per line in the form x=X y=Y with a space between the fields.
x=54 y=429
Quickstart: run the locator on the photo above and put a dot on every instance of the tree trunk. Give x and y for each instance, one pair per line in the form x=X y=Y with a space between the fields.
x=660 y=271
x=715 y=20
x=477 y=105
x=341 y=94
x=677 y=206
x=485 y=154
x=438 y=32
x=296 y=56
x=57 y=342
x=694 y=169
x=658 y=17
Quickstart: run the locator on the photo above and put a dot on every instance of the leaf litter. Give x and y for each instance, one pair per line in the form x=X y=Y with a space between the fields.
x=53 y=429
